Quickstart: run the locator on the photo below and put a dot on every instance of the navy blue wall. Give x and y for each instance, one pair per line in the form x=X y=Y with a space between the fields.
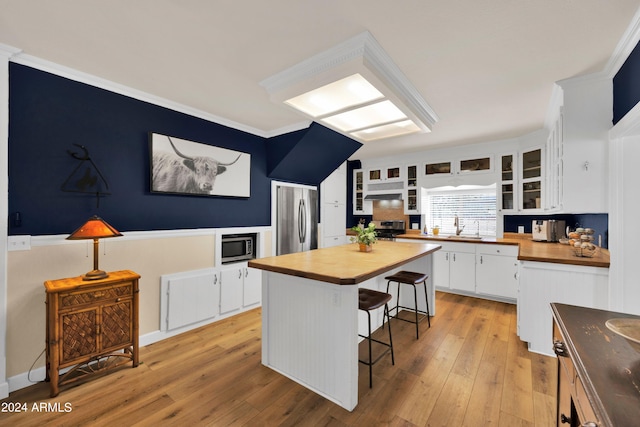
x=599 y=222
x=626 y=86
x=48 y=114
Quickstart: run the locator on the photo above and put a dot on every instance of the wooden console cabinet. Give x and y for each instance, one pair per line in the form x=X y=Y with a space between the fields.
x=598 y=371
x=92 y=326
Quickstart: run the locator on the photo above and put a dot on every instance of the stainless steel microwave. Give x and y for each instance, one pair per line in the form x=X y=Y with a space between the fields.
x=238 y=247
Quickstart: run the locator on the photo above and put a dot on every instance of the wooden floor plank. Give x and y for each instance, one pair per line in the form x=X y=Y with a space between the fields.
x=469 y=368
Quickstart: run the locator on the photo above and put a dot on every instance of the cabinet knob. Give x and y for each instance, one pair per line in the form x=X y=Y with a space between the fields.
x=559 y=348
x=564 y=419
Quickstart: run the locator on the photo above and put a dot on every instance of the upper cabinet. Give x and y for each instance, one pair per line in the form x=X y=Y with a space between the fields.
x=411 y=199
x=360 y=206
x=554 y=169
x=460 y=166
x=474 y=165
x=508 y=186
x=440 y=168
x=393 y=173
x=531 y=179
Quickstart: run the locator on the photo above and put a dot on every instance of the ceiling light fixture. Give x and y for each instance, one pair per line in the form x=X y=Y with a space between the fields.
x=355 y=89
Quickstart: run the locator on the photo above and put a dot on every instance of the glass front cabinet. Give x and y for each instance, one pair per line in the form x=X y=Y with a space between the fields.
x=360 y=206
x=508 y=186
x=412 y=201
x=393 y=173
x=531 y=179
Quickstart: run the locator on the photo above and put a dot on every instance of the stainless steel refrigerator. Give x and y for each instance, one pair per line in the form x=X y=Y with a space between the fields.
x=296 y=219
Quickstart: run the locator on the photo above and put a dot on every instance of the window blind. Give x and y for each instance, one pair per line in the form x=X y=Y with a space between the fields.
x=476 y=210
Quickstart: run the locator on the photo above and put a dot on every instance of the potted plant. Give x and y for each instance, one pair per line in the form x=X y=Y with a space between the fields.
x=365 y=236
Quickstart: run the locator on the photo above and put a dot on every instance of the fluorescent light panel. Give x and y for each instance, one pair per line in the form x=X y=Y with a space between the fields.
x=356 y=58
x=387 y=131
x=345 y=93
x=358 y=113
x=366 y=117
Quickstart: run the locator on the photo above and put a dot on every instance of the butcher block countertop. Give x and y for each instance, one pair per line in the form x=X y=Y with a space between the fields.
x=345 y=264
x=529 y=250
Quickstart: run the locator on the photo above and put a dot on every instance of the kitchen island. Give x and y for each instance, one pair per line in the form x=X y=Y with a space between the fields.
x=310 y=310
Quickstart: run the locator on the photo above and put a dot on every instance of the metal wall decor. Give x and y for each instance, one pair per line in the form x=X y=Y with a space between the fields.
x=86 y=178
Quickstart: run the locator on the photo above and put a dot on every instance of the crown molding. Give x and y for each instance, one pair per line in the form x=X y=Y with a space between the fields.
x=627 y=43
x=629 y=125
x=89 y=79
x=8 y=51
x=288 y=129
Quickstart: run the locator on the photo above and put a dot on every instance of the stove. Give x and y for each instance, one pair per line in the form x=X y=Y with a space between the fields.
x=388 y=230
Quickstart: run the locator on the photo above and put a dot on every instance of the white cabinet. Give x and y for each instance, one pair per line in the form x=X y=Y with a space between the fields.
x=231 y=280
x=554 y=168
x=412 y=191
x=358 y=192
x=333 y=206
x=251 y=287
x=477 y=269
x=462 y=271
x=497 y=271
x=334 y=187
x=531 y=184
x=454 y=267
x=542 y=283
x=508 y=201
x=240 y=286
x=474 y=165
x=391 y=173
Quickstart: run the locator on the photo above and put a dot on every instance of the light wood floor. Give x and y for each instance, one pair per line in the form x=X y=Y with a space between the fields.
x=469 y=369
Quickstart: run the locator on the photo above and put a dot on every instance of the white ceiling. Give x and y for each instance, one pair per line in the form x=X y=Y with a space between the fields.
x=487 y=68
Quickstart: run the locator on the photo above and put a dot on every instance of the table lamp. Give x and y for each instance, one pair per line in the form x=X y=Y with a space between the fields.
x=95 y=228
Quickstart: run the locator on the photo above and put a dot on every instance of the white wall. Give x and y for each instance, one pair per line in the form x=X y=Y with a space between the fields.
x=623 y=217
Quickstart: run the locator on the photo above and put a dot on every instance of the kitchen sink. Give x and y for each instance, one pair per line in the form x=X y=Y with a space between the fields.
x=464 y=237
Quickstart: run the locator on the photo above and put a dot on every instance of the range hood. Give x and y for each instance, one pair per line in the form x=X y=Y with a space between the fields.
x=387 y=196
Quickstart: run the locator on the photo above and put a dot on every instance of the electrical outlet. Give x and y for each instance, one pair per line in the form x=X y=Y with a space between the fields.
x=521 y=229
x=336 y=299
x=19 y=243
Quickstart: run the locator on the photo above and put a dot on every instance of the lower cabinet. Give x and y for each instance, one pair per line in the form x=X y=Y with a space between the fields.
x=497 y=271
x=476 y=269
x=454 y=267
x=240 y=286
x=251 y=287
x=543 y=283
x=462 y=271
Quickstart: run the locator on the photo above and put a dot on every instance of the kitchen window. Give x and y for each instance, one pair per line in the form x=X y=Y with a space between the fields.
x=474 y=205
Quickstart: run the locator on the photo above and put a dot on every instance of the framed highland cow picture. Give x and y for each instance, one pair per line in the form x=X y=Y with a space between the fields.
x=179 y=166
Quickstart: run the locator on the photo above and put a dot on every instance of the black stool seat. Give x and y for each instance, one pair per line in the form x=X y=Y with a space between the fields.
x=369 y=300
x=410 y=278
x=407 y=277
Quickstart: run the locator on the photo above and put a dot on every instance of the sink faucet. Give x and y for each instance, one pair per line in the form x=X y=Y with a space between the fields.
x=456 y=222
x=478 y=230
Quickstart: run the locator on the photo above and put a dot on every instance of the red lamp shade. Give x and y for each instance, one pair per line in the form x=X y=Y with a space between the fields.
x=95 y=228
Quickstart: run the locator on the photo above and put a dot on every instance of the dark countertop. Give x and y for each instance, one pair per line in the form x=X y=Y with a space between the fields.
x=607 y=365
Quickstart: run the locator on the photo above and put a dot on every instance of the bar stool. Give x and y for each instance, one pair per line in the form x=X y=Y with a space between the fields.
x=369 y=300
x=413 y=279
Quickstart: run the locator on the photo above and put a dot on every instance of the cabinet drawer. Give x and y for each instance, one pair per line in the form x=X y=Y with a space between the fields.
x=583 y=406
x=77 y=298
x=505 y=250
